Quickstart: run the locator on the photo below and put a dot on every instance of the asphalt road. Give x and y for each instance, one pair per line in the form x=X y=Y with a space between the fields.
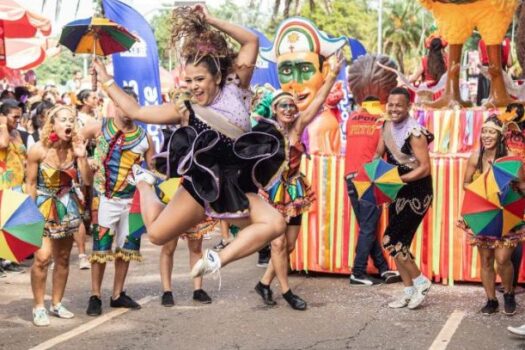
x=340 y=316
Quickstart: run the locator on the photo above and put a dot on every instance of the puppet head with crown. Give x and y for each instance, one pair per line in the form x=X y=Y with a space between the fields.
x=301 y=50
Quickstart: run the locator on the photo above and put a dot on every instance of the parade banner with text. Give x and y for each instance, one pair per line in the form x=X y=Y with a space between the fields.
x=139 y=67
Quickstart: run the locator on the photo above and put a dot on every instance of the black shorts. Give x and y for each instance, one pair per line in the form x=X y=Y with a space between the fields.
x=295 y=220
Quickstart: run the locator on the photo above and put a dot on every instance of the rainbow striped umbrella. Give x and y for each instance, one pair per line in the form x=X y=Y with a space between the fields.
x=96 y=35
x=22 y=226
x=491 y=214
x=135 y=223
x=378 y=182
x=501 y=173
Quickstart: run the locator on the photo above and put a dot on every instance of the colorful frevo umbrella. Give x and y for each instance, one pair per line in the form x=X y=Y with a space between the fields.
x=22 y=226
x=491 y=214
x=501 y=173
x=136 y=225
x=378 y=182
x=97 y=36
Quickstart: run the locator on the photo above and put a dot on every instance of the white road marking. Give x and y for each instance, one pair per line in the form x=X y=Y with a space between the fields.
x=443 y=338
x=48 y=344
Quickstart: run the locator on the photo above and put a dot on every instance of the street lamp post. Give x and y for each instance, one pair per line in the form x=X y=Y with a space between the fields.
x=380 y=28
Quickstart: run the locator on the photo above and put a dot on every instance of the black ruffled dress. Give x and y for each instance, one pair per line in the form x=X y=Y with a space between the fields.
x=220 y=162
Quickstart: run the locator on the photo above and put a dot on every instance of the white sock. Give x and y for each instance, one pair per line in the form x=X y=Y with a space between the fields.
x=409 y=290
x=419 y=280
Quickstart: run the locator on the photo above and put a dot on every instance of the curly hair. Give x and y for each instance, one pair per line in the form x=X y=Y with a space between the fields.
x=47 y=129
x=200 y=44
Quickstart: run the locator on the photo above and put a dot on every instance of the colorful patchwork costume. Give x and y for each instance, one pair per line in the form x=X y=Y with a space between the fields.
x=118 y=210
x=291 y=194
x=57 y=200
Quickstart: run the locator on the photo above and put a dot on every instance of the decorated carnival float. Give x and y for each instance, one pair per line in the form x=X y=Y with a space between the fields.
x=329 y=231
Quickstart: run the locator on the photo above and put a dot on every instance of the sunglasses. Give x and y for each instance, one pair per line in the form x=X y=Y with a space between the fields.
x=287 y=105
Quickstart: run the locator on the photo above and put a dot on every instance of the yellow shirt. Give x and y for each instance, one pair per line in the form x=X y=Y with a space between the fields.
x=12 y=165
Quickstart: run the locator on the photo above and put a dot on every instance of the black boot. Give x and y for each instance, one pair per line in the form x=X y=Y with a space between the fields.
x=266 y=293
x=295 y=302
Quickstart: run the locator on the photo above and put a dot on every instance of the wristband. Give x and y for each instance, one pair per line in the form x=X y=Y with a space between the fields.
x=107 y=84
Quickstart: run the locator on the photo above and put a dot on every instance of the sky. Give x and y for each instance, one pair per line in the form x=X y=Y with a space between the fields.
x=148 y=8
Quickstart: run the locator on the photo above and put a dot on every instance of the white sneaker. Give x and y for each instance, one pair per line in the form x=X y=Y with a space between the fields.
x=420 y=294
x=83 y=262
x=52 y=265
x=141 y=174
x=517 y=330
x=400 y=302
x=209 y=263
x=60 y=311
x=40 y=318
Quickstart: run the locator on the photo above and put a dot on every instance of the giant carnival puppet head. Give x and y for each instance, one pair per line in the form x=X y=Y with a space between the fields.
x=367 y=78
x=300 y=51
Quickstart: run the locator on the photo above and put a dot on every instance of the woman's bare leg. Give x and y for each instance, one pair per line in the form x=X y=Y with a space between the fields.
x=282 y=246
x=80 y=239
x=488 y=275
x=61 y=252
x=164 y=223
x=264 y=224
x=195 y=249
x=225 y=231
x=39 y=272
x=505 y=268
x=166 y=263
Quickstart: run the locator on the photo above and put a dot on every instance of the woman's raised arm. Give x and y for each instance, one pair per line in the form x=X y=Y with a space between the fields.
x=249 y=50
x=161 y=114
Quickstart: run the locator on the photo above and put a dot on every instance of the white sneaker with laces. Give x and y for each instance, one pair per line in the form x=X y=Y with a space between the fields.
x=517 y=330
x=400 y=302
x=60 y=311
x=209 y=263
x=141 y=174
x=83 y=262
x=420 y=294
x=40 y=318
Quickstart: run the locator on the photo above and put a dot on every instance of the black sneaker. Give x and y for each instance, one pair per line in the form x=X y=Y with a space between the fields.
x=167 y=299
x=201 y=296
x=12 y=267
x=94 y=306
x=124 y=301
x=265 y=255
x=364 y=280
x=491 y=307
x=509 y=304
x=390 y=277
